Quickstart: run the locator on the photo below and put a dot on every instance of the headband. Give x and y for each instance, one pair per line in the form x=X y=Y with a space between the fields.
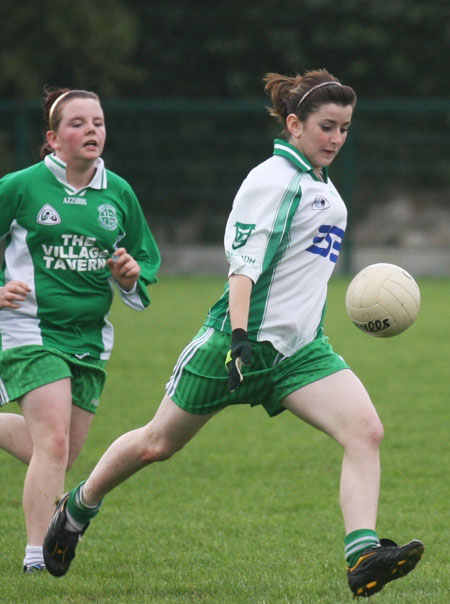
x=52 y=108
x=308 y=92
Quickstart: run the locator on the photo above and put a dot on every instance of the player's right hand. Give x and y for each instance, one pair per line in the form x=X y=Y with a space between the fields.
x=12 y=293
x=239 y=354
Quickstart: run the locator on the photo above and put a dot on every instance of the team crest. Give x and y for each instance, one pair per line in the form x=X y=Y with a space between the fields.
x=48 y=215
x=320 y=203
x=243 y=232
x=107 y=217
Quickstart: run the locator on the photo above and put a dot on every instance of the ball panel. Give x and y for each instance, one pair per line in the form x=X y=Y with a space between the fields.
x=403 y=298
x=409 y=286
x=389 y=300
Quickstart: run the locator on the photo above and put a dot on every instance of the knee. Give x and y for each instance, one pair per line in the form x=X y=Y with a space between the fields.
x=373 y=432
x=55 y=447
x=156 y=452
x=156 y=447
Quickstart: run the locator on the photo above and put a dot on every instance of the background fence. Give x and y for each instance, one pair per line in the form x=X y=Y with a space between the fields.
x=186 y=160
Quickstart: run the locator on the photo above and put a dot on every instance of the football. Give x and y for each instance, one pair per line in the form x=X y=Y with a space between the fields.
x=383 y=300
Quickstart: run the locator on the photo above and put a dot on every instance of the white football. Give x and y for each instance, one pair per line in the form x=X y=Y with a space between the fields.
x=383 y=300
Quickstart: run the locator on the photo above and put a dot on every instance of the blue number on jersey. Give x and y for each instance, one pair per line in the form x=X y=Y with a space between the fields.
x=330 y=240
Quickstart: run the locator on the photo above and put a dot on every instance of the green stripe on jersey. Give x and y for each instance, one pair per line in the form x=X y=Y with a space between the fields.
x=279 y=239
x=276 y=248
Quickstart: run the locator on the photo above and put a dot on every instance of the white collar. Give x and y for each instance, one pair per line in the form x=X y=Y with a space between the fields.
x=58 y=168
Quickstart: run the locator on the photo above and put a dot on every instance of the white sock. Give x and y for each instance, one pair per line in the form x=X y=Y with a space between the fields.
x=33 y=556
x=73 y=525
x=80 y=500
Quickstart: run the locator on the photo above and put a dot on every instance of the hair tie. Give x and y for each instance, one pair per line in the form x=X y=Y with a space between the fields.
x=308 y=92
x=52 y=108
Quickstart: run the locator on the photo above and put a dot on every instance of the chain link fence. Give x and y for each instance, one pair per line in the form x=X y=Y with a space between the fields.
x=186 y=160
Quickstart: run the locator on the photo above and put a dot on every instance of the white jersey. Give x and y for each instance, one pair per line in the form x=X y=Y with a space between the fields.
x=284 y=232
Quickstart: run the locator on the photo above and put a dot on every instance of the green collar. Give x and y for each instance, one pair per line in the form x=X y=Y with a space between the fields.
x=285 y=149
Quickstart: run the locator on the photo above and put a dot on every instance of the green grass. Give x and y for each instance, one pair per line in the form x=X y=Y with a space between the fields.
x=248 y=513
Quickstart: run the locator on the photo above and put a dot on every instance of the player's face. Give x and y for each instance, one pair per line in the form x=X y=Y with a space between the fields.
x=81 y=133
x=322 y=135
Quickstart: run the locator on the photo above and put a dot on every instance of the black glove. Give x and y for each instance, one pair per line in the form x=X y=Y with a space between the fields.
x=240 y=353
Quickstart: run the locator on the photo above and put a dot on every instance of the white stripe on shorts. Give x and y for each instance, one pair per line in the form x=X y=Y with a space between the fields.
x=4 y=398
x=184 y=359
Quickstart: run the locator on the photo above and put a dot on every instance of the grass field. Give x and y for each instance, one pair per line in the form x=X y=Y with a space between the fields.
x=248 y=512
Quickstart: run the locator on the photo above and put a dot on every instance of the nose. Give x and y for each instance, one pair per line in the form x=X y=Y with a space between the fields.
x=337 y=137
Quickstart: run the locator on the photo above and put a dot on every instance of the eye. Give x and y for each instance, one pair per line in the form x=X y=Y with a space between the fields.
x=325 y=128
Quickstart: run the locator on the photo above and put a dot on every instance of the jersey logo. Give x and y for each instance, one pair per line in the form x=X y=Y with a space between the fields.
x=320 y=203
x=243 y=232
x=78 y=201
x=48 y=215
x=328 y=244
x=107 y=217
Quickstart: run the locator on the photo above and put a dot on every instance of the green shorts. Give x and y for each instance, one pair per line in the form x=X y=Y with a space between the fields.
x=28 y=367
x=199 y=380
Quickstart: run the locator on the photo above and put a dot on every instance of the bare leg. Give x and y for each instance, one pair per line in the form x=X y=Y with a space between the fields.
x=47 y=412
x=170 y=429
x=14 y=436
x=340 y=406
x=16 y=440
x=80 y=423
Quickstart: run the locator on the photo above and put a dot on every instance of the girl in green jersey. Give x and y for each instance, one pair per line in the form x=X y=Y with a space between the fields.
x=74 y=232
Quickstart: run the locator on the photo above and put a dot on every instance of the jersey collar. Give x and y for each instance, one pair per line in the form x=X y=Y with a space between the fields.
x=285 y=149
x=58 y=168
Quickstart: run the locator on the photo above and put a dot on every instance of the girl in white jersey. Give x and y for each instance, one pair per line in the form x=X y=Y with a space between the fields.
x=282 y=241
x=73 y=233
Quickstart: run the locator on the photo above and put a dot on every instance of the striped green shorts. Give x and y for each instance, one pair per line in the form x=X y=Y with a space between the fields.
x=25 y=368
x=199 y=380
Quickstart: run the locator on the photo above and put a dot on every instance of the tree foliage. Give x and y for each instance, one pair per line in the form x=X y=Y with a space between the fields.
x=201 y=49
x=76 y=44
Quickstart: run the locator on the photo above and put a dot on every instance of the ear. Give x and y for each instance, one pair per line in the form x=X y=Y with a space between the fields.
x=52 y=139
x=294 y=125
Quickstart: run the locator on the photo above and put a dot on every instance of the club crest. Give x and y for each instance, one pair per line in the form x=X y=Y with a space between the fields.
x=243 y=232
x=107 y=217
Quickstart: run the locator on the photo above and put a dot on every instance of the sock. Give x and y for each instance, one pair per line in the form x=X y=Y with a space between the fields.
x=33 y=556
x=78 y=513
x=357 y=541
x=73 y=525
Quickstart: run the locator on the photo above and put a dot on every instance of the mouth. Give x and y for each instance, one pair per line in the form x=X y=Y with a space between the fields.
x=91 y=144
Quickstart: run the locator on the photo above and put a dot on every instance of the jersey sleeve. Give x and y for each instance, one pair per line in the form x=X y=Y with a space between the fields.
x=9 y=202
x=139 y=242
x=260 y=218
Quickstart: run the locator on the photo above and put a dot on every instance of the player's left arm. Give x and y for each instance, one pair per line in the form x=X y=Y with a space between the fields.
x=134 y=265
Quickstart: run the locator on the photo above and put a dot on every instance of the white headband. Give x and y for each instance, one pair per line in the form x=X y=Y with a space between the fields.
x=52 y=108
x=308 y=92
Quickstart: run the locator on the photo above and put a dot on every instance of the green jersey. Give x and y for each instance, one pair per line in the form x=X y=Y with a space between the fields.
x=57 y=240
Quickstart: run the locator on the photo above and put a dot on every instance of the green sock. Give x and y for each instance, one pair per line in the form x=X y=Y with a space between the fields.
x=78 y=509
x=357 y=541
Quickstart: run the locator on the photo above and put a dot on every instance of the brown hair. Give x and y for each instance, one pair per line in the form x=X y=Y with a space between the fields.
x=305 y=94
x=53 y=103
